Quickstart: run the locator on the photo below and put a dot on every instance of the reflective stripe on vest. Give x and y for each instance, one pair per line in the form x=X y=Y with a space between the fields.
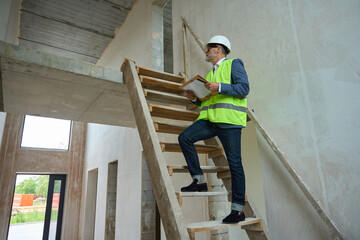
x=223 y=108
x=225 y=105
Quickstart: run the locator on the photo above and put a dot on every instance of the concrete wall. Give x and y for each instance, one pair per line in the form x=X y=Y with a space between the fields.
x=302 y=60
x=107 y=144
x=9 y=21
x=14 y=159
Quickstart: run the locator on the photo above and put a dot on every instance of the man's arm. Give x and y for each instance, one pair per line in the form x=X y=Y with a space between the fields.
x=239 y=86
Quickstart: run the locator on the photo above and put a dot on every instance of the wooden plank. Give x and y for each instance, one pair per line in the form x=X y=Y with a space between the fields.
x=167 y=98
x=175 y=147
x=218 y=153
x=167 y=128
x=170 y=212
x=336 y=234
x=159 y=84
x=158 y=74
x=258 y=227
x=205 y=169
x=201 y=194
x=172 y=113
x=212 y=225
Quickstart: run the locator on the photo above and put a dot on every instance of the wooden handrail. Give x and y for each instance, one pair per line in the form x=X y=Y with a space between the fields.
x=335 y=232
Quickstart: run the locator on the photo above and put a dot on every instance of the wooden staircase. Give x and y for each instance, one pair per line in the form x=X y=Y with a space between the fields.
x=155 y=95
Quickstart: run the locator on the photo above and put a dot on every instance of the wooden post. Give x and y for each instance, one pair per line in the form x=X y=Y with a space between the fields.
x=170 y=212
x=185 y=51
x=196 y=37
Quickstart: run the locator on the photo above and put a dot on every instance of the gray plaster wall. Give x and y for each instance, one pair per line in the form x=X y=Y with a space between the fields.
x=9 y=21
x=302 y=58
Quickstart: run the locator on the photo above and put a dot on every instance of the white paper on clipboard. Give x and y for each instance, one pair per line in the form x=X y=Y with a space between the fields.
x=198 y=87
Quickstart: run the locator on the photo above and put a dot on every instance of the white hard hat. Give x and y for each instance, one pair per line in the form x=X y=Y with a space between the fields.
x=219 y=39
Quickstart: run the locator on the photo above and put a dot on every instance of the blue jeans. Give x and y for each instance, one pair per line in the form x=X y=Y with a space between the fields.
x=231 y=141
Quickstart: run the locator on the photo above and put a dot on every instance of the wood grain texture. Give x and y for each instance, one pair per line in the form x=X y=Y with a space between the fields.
x=172 y=113
x=158 y=74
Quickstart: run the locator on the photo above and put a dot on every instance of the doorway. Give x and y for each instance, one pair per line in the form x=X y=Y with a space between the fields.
x=37 y=207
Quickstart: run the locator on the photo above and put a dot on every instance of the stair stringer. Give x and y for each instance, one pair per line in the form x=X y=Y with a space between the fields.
x=222 y=161
x=169 y=209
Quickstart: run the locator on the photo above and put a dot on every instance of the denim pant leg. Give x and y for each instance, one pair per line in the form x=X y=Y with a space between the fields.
x=200 y=130
x=231 y=141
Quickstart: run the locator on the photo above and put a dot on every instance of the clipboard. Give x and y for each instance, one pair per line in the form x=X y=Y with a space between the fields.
x=196 y=84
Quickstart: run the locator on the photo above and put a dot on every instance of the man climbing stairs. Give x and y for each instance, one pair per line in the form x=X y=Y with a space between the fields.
x=157 y=97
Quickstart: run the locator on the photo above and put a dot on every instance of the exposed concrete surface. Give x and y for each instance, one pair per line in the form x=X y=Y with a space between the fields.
x=52 y=86
x=302 y=59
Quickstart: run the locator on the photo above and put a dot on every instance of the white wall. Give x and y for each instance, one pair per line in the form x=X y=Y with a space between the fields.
x=302 y=58
x=2 y=125
x=106 y=144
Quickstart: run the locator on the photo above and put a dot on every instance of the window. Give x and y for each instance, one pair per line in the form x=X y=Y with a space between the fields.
x=46 y=133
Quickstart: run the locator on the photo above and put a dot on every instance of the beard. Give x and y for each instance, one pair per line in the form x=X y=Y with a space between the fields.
x=210 y=57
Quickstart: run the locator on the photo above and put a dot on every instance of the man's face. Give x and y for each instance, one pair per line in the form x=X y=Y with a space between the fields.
x=211 y=52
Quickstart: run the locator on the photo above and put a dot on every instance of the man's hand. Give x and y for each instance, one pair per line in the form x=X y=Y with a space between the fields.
x=189 y=94
x=212 y=86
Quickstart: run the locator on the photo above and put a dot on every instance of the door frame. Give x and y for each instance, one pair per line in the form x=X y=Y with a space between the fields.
x=52 y=179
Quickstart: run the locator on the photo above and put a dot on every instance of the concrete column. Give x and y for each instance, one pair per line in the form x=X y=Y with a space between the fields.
x=157 y=44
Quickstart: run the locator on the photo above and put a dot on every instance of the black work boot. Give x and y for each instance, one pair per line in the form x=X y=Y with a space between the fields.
x=234 y=217
x=195 y=187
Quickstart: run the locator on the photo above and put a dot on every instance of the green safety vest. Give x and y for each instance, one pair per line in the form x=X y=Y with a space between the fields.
x=223 y=108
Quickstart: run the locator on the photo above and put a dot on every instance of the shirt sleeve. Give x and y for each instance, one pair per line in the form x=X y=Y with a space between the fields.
x=239 y=86
x=196 y=101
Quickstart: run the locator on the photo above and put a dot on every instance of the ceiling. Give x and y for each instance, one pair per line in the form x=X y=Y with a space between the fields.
x=78 y=29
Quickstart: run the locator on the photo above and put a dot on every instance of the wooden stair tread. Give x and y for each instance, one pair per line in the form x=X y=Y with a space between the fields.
x=158 y=74
x=169 y=128
x=172 y=113
x=158 y=84
x=167 y=98
x=175 y=147
x=201 y=194
x=206 y=169
x=212 y=225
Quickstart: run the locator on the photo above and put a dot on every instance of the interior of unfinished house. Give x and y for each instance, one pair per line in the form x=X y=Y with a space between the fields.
x=92 y=105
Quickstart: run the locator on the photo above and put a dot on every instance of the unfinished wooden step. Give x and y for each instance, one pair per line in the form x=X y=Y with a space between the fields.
x=206 y=169
x=167 y=98
x=180 y=195
x=169 y=128
x=161 y=75
x=172 y=113
x=162 y=85
x=212 y=225
x=175 y=147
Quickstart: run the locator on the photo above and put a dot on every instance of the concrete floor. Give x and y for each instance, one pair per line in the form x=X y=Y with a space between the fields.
x=30 y=231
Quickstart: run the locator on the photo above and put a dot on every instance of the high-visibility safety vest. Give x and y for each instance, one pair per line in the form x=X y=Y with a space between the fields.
x=223 y=108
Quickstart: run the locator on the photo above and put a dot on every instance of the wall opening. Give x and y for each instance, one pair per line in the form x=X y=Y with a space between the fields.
x=90 y=205
x=111 y=201
x=149 y=226
x=46 y=133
